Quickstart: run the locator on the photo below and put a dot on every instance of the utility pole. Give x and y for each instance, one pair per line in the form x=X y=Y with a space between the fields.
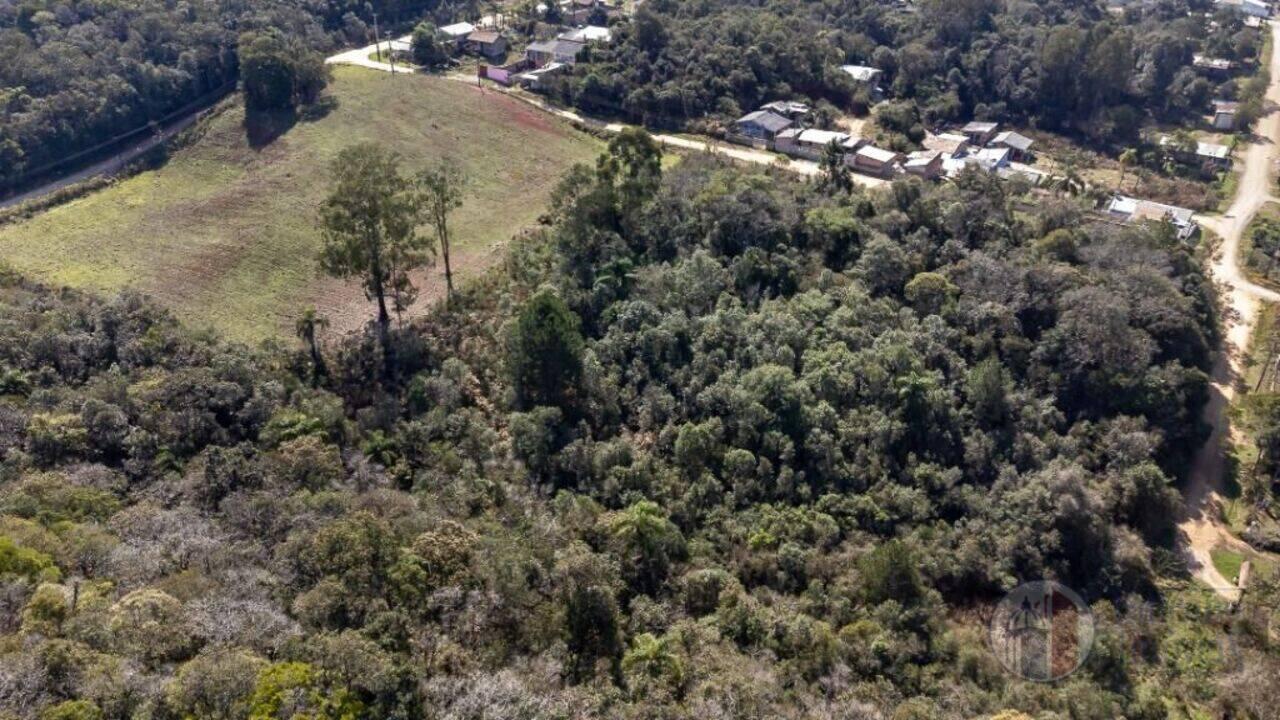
x=377 y=36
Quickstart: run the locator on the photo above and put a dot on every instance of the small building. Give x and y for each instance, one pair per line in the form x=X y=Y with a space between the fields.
x=1249 y=8
x=1019 y=171
x=1218 y=155
x=808 y=143
x=1019 y=145
x=863 y=74
x=952 y=144
x=536 y=79
x=761 y=125
x=579 y=12
x=1132 y=210
x=588 y=34
x=1212 y=66
x=924 y=163
x=788 y=108
x=874 y=161
x=506 y=74
x=544 y=52
x=854 y=143
x=980 y=133
x=488 y=43
x=1224 y=114
x=988 y=160
x=456 y=34
x=992 y=158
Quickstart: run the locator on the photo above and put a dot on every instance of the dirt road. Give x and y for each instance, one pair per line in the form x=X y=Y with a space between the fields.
x=1202 y=528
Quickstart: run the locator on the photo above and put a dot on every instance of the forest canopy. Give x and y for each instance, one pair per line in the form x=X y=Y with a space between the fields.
x=714 y=443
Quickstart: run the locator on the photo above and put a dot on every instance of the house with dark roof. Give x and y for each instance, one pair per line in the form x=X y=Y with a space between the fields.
x=1224 y=114
x=789 y=108
x=489 y=43
x=1019 y=145
x=761 y=125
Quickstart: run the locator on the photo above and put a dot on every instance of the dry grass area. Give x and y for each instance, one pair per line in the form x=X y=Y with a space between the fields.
x=225 y=232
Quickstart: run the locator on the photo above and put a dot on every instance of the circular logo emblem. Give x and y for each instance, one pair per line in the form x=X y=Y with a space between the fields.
x=1042 y=631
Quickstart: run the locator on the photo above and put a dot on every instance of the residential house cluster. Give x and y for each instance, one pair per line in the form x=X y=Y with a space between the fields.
x=546 y=58
x=978 y=144
x=781 y=126
x=464 y=37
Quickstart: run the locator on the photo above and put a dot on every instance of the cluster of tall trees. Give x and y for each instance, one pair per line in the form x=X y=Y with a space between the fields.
x=1068 y=66
x=76 y=73
x=712 y=444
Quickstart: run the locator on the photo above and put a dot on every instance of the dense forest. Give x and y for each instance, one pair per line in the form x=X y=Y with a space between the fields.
x=76 y=73
x=1061 y=65
x=713 y=443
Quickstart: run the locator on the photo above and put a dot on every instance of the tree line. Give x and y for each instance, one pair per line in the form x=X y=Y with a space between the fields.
x=1072 y=67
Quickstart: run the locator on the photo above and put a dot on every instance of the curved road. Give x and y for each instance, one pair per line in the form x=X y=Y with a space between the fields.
x=360 y=57
x=1201 y=527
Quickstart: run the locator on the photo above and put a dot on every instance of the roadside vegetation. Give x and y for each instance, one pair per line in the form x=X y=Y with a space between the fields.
x=1260 y=249
x=1251 y=507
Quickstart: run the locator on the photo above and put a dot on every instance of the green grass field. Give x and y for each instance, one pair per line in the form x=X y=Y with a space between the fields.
x=225 y=233
x=1227 y=562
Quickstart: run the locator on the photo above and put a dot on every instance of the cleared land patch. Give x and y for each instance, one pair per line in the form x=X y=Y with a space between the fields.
x=225 y=232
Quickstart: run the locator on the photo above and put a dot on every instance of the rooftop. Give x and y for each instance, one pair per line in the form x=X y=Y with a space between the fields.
x=874 y=153
x=821 y=137
x=769 y=120
x=590 y=33
x=461 y=29
x=861 y=73
x=1014 y=140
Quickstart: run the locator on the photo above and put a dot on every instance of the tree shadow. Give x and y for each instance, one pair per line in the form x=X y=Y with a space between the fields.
x=318 y=110
x=262 y=127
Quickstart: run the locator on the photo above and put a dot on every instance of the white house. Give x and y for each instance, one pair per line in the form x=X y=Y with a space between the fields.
x=588 y=34
x=1132 y=210
x=457 y=33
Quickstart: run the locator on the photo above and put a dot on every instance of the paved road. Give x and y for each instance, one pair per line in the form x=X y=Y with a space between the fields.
x=360 y=57
x=1202 y=528
x=109 y=166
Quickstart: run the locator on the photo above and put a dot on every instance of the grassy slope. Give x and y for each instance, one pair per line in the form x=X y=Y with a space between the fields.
x=225 y=234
